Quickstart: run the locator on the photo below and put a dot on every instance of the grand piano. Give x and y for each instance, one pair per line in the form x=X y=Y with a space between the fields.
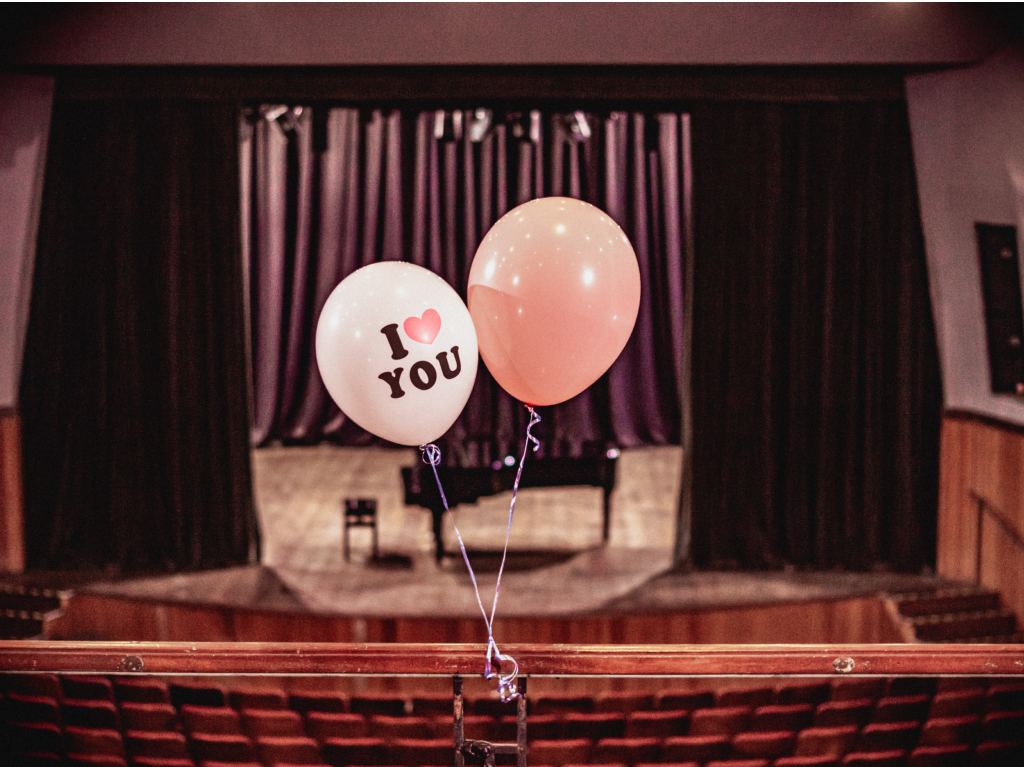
x=464 y=484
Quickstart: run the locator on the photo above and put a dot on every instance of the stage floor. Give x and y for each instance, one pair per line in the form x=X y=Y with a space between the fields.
x=557 y=565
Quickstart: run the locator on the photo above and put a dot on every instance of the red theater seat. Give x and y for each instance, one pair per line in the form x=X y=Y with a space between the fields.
x=626 y=750
x=380 y=705
x=593 y=726
x=149 y=716
x=418 y=751
x=753 y=697
x=888 y=736
x=840 y=713
x=876 y=759
x=957 y=703
x=210 y=720
x=695 y=748
x=941 y=756
x=946 y=731
x=806 y=761
x=95 y=760
x=32 y=708
x=269 y=723
x=91 y=713
x=852 y=689
x=719 y=721
x=782 y=717
x=392 y=727
x=317 y=701
x=323 y=725
x=657 y=724
x=34 y=737
x=156 y=745
x=141 y=691
x=674 y=701
x=764 y=744
x=623 y=702
x=738 y=763
x=809 y=692
x=31 y=685
x=1003 y=726
x=258 y=699
x=906 y=708
x=485 y=727
x=223 y=748
x=495 y=707
x=86 y=687
x=826 y=741
x=86 y=740
x=432 y=705
x=210 y=696
x=292 y=750
x=156 y=761
x=559 y=752
x=1006 y=697
x=901 y=686
x=999 y=754
x=548 y=704
x=345 y=751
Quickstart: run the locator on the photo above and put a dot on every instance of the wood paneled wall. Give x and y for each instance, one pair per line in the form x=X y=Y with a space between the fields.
x=856 y=620
x=12 y=538
x=982 y=459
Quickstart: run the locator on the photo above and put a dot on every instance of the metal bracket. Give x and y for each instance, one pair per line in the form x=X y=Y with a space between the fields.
x=483 y=750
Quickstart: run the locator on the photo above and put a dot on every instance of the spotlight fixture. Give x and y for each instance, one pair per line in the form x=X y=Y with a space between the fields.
x=480 y=125
x=579 y=126
x=525 y=125
x=448 y=125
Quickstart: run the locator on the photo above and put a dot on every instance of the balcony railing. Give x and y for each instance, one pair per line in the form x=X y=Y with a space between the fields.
x=434 y=660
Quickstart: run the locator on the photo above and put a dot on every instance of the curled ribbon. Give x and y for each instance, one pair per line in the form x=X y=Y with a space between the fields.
x=495 y=660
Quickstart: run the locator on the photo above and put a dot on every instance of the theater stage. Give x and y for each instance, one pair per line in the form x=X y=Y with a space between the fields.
x=561 y=583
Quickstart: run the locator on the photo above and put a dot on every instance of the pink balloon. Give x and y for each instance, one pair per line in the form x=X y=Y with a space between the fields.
x=554 y=291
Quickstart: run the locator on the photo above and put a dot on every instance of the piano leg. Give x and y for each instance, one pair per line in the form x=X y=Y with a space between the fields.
x=438 y=522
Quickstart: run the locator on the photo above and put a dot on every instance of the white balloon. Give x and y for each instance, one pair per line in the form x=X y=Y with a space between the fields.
x=397 y=350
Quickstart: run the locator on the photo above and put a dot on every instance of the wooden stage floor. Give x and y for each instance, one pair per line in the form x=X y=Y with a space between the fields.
x=557 y=565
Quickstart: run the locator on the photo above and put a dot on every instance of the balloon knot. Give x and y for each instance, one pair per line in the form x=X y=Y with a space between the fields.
x=431 y=454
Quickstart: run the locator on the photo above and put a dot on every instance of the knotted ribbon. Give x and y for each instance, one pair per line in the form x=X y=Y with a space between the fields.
x=495 y=660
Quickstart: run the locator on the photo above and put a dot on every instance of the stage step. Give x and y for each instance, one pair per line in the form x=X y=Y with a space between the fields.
x=26 y=612
x=18 y=597
x=946 y=601
x=965 y=625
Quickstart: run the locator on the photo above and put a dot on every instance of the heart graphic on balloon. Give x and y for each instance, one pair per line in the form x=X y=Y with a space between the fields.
x=423 y=329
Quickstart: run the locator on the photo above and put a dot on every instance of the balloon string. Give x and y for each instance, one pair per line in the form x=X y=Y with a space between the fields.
x=507 y=688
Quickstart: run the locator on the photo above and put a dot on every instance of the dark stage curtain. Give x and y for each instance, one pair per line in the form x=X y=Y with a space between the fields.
x=328 y=191
x=134 y=385
x=816 y=390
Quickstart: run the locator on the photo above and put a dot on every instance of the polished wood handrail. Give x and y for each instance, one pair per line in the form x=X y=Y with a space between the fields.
x=322 y=659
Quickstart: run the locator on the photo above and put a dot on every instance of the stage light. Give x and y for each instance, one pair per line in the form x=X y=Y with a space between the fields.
x=525 y=125
x=448 y=125
x=579 y=126
x=510 y=460
x=481 y=125
x=612 y=454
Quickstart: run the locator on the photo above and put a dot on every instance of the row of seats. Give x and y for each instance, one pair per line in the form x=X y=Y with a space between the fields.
x=145 y=721
x=155 y=690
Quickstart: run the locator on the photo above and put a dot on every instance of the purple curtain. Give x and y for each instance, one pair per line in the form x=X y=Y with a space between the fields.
x=326 y=191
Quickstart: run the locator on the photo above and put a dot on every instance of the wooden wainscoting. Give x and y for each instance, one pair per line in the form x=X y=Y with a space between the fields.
x=859 y=619
x=982 y=464
x=12 y=537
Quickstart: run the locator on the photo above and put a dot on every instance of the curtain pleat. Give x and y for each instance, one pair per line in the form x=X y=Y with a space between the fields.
x=816 y=390
x=133 y=389
x=383 y=187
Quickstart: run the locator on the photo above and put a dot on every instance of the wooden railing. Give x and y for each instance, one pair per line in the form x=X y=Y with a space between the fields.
x=985 y=508
x=425 y=660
